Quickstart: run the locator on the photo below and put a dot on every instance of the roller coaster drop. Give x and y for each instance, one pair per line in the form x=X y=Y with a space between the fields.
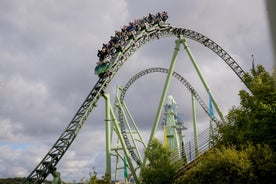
x=107 y=68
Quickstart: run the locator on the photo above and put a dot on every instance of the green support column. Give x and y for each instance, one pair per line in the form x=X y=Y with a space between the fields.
x=130 y=165
x=195 y=125
x=170 y=123
x=56 y=176
x=186 y=47
x=119 y=134
x=107 y=136
x=165 y=90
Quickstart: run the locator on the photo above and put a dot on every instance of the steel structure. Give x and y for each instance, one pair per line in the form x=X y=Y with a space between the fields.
x=129 y=142
x=173 y=128
x=143 y=73
x=42 y=170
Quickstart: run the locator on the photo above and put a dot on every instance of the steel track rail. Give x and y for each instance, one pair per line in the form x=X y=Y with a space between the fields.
x=149 y=71
x=42 y=170
x=67 y=137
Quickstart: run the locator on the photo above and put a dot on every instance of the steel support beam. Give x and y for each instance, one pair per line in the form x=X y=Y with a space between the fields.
x=207 y=88
x=164 y=93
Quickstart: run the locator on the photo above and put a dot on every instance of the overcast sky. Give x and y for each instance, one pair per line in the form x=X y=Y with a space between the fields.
x=47 y=57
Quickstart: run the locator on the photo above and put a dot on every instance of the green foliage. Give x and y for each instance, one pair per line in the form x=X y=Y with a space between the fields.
x=228 y=165
x=93 y=178
x=159 y=170
x=245 y=151
x=105 y=179
x=11 y=180
x=255 y=119
x=16 y=181
x=220 y=166
x=263 y=161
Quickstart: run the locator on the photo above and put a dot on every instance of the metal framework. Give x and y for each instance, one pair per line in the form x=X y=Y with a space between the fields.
x=110 y=115
x=59 y=148
x=150 y=71
x=130 y=130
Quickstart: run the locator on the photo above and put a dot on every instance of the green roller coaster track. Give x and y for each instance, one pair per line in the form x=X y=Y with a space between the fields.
x=42 y=170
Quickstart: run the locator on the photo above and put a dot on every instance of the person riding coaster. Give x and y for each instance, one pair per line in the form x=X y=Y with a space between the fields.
x=124 y=39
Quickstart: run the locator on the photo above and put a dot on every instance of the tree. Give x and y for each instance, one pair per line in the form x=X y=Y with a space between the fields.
x=250 y=164
x=159 y=170
x=94 y=180
x=220 y=166
x=255 y=119
x=246 y=148
x=93 y=177
x=263 y=161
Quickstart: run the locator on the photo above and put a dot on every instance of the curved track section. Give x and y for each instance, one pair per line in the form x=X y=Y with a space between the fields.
x=176 y=32
x=42 y=170
x=149 y=71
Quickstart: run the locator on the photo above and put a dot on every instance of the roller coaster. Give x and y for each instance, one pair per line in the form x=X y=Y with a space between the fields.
x=108 y=66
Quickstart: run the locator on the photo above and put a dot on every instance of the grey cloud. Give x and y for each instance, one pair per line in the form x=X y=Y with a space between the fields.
x=47 y=59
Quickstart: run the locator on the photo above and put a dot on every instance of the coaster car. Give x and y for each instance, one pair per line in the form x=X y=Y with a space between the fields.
x=102 y=68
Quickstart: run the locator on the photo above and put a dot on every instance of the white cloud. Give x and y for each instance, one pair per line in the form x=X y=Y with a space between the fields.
x=16 y=162
x=10 y=131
